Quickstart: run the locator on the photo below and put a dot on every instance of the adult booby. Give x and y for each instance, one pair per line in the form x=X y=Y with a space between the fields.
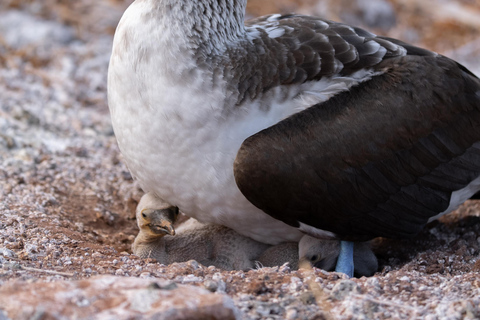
x=290 y=124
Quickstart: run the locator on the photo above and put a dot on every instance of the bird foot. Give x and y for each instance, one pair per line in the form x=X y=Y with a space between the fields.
x=345 y=258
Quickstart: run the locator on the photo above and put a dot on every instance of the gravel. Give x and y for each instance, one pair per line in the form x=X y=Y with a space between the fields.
x=67 y=200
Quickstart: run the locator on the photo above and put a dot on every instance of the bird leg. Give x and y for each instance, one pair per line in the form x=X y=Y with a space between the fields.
x=345 y=258
x=326 y=254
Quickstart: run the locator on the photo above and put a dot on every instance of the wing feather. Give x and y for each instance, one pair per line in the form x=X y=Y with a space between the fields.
x=378 y=160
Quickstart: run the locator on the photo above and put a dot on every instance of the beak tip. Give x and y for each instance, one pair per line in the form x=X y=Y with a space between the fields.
x=169 y=229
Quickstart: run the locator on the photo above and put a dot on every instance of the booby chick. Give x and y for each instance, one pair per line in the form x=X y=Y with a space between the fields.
x=208 y=244
x=320 y=253
x=288 y=125
x=225 y=248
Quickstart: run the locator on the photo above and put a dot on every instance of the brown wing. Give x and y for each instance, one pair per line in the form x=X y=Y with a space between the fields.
x=378 y=160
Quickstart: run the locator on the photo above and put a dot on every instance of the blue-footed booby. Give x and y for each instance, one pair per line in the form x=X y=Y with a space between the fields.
x=287 y=125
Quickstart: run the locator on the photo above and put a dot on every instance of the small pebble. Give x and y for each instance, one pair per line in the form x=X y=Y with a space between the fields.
x=291 y=314
x=343 y=288
x=210 y=285
x=7 y=253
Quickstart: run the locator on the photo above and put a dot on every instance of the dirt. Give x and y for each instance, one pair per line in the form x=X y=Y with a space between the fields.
x=67 y=200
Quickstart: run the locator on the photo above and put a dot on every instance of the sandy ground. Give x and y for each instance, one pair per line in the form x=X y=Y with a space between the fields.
x=67 y=200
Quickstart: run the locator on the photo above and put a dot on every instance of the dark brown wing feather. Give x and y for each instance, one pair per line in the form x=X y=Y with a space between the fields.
x=378 y=160
x=308 y=49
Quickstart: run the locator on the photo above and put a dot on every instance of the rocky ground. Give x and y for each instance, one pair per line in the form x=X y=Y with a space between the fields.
x=67 y=200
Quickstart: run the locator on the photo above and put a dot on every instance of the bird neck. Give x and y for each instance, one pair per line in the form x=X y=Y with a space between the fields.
x=205 y=24
x=149 y=246
x=148 y=237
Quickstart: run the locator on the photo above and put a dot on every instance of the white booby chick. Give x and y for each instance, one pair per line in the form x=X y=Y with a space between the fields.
x=288 y=125
x=224 y=248
x=206 y=243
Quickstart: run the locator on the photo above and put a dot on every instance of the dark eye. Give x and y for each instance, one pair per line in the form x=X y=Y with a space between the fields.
x=144 y=215
x=314 y=258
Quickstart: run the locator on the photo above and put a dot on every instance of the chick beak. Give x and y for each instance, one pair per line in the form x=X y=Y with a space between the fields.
x=166 y=227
